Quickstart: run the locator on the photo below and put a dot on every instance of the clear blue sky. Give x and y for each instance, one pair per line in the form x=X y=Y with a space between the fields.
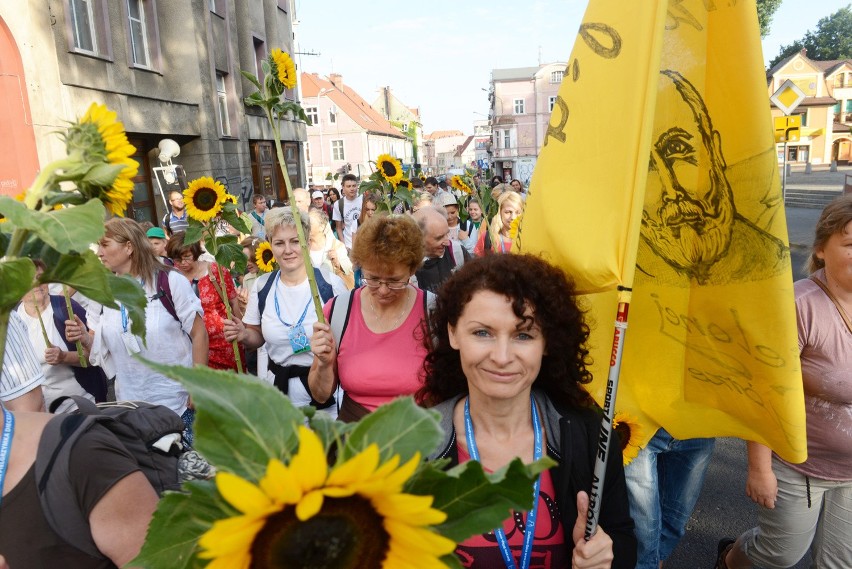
x=439 y=55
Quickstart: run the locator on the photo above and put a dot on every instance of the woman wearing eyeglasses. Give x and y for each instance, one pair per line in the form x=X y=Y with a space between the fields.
x=379 y=352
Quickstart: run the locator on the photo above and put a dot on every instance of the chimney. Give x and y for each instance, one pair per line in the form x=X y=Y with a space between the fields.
x=336 y=80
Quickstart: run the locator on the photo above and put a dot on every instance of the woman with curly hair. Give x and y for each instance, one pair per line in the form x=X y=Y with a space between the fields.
x=380 y=355
x=507 y=361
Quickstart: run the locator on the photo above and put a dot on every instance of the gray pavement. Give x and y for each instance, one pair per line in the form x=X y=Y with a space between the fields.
x=723 y=510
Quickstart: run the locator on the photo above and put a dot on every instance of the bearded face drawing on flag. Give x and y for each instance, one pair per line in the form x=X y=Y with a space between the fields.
x=691 y=230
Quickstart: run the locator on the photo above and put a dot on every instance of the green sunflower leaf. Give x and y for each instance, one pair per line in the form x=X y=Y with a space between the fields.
x=328 y=430
x=452 y=561
x=17 y=276
x=477 y=502
x=252 y=78
x=179 y=522
x=241 y=421
x=65 y=230
x=193 y=233
x=399 y=427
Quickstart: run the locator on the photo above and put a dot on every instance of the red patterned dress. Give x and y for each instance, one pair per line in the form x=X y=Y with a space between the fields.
x=221 y=350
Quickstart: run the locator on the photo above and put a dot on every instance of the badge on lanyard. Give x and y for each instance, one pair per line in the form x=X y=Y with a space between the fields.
x=130 y=341
x=299 y=341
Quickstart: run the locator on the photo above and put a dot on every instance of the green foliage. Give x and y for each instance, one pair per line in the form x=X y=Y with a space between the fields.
x=765 y=10
x=241 y=422
x=179 y=522
x=400 y=427
x=17 y=277
x=476 y=502
x=832 y=39
x=65 y=230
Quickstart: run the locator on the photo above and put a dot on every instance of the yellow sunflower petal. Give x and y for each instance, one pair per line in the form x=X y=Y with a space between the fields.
x=242 y=494
x=203 y=197
x=418 y=539
x=417 y=510
x=279 y=484
x=309 y=505
x=309 y=465
x=356 y=469
x=404 y=472
x=230 y=536
x=236 y=561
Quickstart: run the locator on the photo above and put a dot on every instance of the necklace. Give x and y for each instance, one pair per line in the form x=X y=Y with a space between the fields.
x=398 y=318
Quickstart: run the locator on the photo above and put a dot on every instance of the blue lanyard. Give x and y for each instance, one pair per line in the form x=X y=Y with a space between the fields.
x=124 y=320
x=5 y=446
x=278 y=309
x=529 y=530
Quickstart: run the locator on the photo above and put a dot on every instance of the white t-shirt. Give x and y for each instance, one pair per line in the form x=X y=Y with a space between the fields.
x=59 y=379
x=351 y=211
x=168 y=343
x=292 y=301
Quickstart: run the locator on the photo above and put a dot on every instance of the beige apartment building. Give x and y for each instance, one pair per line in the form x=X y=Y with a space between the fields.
x=169 y=68
x=826 y=132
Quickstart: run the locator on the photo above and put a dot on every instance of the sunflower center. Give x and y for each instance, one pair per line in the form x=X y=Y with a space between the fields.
x=267 y=256
x=205 y=199
x=389 y=169
x=623 y=430
x=346 y=533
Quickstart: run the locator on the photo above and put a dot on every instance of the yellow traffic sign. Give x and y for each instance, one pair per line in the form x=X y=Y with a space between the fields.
x=787 y=129
x=787 y=97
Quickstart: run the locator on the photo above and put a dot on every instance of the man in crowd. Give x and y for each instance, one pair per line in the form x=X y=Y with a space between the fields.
x=442 y=255
x=318 y=200
x=258 y=215
x=303 y=199
x=21 y=376
x=175 y=221
x=347 y=210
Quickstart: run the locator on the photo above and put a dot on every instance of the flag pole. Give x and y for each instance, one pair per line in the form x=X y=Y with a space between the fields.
x=605 y=440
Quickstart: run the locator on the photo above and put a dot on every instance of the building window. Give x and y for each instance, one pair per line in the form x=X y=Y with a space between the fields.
x=551 y=102
x=222 y=104
x=332 y=115
x=308 y=151
x=556 y=76
x=138 y=33
x=313 y=115
x=804 y=115
x=519 y=106
x=259 y=56
x=83 y=25
x=507 y=139
x=849 y=106
x=337 y=150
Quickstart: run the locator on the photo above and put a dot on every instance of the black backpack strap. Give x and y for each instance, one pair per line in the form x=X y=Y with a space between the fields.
x=52 y=472
x=340 y=207
x=339 y=318
x=325 y=290
x=263 y=292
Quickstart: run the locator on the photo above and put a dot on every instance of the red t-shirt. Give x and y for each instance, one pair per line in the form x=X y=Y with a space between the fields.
x=549 y=549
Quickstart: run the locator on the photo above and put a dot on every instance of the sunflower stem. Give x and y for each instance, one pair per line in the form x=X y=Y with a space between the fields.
x=78 y=343
x=44 y=180
x=303 y=242
x=222 y=289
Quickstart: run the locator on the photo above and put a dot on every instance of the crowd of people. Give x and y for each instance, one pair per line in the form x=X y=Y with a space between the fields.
x=429 y=302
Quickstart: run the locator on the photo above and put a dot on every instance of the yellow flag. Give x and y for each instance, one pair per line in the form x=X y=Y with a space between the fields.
x=659 y=173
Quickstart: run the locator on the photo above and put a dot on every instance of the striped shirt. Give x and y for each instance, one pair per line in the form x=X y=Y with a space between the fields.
x=21 y=370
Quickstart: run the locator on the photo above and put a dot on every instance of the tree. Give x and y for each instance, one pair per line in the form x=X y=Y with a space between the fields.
x=832 y=39
x=765 y=10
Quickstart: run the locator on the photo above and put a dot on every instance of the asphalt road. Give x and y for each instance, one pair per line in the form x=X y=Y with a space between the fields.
x=723 y=510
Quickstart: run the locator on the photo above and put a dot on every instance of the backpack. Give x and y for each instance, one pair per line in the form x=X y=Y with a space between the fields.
x=167 y=222
x=164 y=293
x=456 y=254
x=91 y=378
x=339 y=318
x=325 y=290
x=138 y=426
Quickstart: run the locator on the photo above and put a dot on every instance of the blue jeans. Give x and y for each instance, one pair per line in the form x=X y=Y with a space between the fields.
x=663 y=485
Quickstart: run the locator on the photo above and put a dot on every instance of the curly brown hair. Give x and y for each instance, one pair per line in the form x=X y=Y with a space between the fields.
x=529 y=282
x=386 y=241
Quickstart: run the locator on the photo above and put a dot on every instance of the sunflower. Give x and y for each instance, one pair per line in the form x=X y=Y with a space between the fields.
x=390 y=168
x=457 y=182
x=264 y=257
x=515 y=227
x=422 y=177
x=110 y=145
x=404 y=183
x=283 y=68
x=630 y=432
x=229 y=198
x=302 y=515
x=204 y=197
